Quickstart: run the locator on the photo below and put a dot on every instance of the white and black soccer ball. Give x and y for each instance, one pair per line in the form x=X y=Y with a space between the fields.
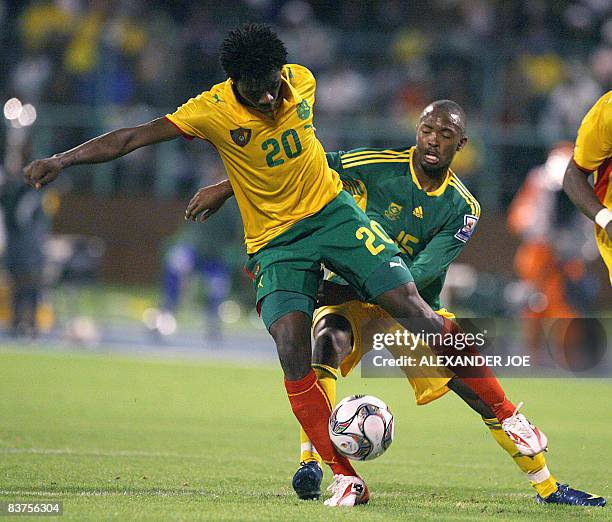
x=361 y=427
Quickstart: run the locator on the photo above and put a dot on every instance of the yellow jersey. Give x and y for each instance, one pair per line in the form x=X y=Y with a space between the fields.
x=276 y=165
x=593 y=150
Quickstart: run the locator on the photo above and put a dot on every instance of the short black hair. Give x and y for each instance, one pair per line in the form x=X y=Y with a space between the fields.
x=252 y=51
x=450 y=107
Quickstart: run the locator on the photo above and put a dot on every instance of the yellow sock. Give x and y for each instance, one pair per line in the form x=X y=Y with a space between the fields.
x=534 y=467
x=327 y=380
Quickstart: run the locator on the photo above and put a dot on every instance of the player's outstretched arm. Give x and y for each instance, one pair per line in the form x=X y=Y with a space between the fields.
x=99 y=150
x=208 y=200
x=580 y=192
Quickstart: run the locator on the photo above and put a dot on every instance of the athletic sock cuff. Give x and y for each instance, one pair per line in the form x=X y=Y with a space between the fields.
x=492 y=424
x=539 y=476
x=327 y=370
x=301 y=386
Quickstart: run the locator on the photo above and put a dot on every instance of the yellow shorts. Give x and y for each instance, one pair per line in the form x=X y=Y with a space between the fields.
x=428 y=384
x=605 y=248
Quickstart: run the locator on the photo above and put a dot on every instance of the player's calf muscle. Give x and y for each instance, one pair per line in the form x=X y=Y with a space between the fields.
x=470 y=397
x=291 y=333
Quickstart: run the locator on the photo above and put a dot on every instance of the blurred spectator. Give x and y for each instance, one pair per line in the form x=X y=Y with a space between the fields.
x=569 y=102
x=306 y=37
x=207 y=252
x=26 y=220
x=46 y=25
x=554 y=244
x=348 y=81
x=197 y=53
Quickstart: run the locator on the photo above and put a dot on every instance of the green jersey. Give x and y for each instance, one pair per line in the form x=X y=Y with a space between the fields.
x=430 y=228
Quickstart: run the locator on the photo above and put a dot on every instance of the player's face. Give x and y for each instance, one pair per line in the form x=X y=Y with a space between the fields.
x=261 y=93
x=439 y=137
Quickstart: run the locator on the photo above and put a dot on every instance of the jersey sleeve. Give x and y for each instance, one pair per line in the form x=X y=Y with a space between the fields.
x=594 y=140
x=353 y=180
x=352 y=169
x=442 y=250
x=193 y=118
x=335 y=162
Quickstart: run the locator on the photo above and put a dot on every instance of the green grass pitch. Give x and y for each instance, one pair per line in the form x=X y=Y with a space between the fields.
x=137 y=438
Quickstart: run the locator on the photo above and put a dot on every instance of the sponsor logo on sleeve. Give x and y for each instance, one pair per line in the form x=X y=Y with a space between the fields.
x=466 y=231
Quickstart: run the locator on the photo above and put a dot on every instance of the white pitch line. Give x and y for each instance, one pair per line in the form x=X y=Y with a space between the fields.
x=99 y=493
x=96 y=453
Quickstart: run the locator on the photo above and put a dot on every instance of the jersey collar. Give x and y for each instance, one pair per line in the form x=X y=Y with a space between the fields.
x=243 y=114
x=289 y=93
x=440 y=190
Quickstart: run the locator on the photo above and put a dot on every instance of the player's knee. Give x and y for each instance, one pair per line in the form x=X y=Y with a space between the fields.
x=333 y=340
x=329 y=347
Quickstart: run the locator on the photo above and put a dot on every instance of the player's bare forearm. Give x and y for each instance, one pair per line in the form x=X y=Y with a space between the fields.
x=207 y=200
x=580 y=192
x=104 y=148
x=101 y=149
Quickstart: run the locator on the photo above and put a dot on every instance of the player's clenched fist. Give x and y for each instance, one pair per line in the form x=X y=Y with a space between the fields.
x=208 y=200
x=41 y=172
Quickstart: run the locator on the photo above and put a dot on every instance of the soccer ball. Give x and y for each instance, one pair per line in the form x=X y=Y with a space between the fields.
x=361 y=427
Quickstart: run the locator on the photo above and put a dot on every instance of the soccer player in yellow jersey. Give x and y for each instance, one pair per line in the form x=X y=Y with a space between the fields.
x=296 y=218
x=593 y=154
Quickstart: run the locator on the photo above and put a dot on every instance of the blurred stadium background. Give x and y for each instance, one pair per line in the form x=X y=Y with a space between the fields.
x=104 y=255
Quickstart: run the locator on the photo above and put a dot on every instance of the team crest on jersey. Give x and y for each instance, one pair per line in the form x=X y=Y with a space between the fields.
x=303 y=110
x=241 y=136
x=466 y=231
x=393 y=211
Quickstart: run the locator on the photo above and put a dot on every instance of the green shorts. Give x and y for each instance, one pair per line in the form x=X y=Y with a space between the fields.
x=341 y=237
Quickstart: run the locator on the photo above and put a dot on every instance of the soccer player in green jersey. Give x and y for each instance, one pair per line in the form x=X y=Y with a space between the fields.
x=412 y=193
x=420 y=202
